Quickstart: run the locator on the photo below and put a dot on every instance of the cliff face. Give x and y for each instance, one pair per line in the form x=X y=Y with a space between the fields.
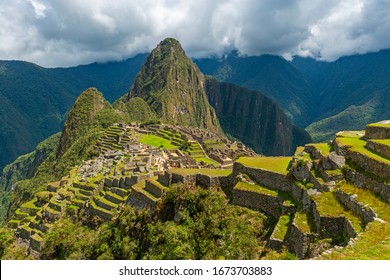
x=253 y=118
x=173 y=87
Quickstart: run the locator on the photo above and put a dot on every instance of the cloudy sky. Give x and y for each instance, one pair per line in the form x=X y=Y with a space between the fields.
x=71 y=32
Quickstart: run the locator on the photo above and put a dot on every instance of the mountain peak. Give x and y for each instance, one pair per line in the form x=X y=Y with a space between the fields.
x=82 y=115
x=174 y=88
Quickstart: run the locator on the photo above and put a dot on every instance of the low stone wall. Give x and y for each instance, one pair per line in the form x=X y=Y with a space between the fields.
x=275 y=244
x=153 y=188
x=377 y=132
x=365 y=182
x=314 y=152
x=95 y=212
x=341 y=150
x=299 y=242
x=188 y=180
x=266 y=178
x=23 y=233
x=366 y=213
x=271 y=205
x=139 y=200
x=330 y=227
x=165 y=179
x=35 y=244
x=300 y=194
x=379 y=148
x=371 y=165
x=131 y=181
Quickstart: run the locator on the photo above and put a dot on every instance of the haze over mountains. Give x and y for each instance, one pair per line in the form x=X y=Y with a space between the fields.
x=326 y=97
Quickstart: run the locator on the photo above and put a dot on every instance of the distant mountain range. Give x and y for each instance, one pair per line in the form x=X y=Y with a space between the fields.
x=324 y=97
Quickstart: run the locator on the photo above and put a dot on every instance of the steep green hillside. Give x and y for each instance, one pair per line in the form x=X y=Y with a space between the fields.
x=33 y=105
x=273 y=76
x=24 y=167
x=173 y=87
x=255 y=119
x=26 y=88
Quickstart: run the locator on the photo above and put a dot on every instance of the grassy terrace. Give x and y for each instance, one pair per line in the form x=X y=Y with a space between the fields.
x=327 y=205
x=358 y=145
x=276 y=164
x=301 y=221
x=255 y=188
x=282 y=227
x=156 y=141
x=206 y=160
x=379 y=125
x=372 y=244
x=367 y=197
x=203 y=171
x=351 y=134
x=323 y=147
x=381 y=141
x=298 y=152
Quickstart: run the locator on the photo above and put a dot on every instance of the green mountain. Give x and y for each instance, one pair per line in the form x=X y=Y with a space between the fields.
x=173 y=87
x=254 y=119
x=353 y=91
x=324 y=96
x=273 y=76
x=26 y=88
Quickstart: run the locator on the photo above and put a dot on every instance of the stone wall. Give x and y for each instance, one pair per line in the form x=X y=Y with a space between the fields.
x=140 y=200
x=379 y=148
x=165 y=179
x=266 y=178
x=371 y=165
x=188 y=180
x=330 y=227
x=349 y=201
x=153 y=189
x=275 y=244
x=377 y=132
x=299 y=242
x=365 y=182
x=270 y=205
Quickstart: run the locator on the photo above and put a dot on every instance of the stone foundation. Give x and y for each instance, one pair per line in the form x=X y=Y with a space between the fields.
x=371 y=165
x=366 y=213
x=266 y=178
x=331 y=227
x=380 y=148
x=377 y=132
x=364 y=182
x=270 y=205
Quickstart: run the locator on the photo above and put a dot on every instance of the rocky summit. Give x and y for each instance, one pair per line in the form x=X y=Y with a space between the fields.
x=174 y=88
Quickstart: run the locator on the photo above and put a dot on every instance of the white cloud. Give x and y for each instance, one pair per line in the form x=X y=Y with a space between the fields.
x=69 y=32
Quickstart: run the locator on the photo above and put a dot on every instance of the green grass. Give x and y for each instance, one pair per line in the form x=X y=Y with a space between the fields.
x=30 y=204
x=372 y=244
x=206 y=160
x=323 y=147
x=255 y=188
x=204 y=171
x=301 y=221
x=351 y=134
x=327 y=205
x=281 y=227
x=156 y=141
x=276 y=164
x=367 y=197
x=387 y=125
x=381 y=141
x=358 y=145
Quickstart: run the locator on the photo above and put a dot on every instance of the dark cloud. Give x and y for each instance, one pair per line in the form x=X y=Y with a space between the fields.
x=69 y=32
